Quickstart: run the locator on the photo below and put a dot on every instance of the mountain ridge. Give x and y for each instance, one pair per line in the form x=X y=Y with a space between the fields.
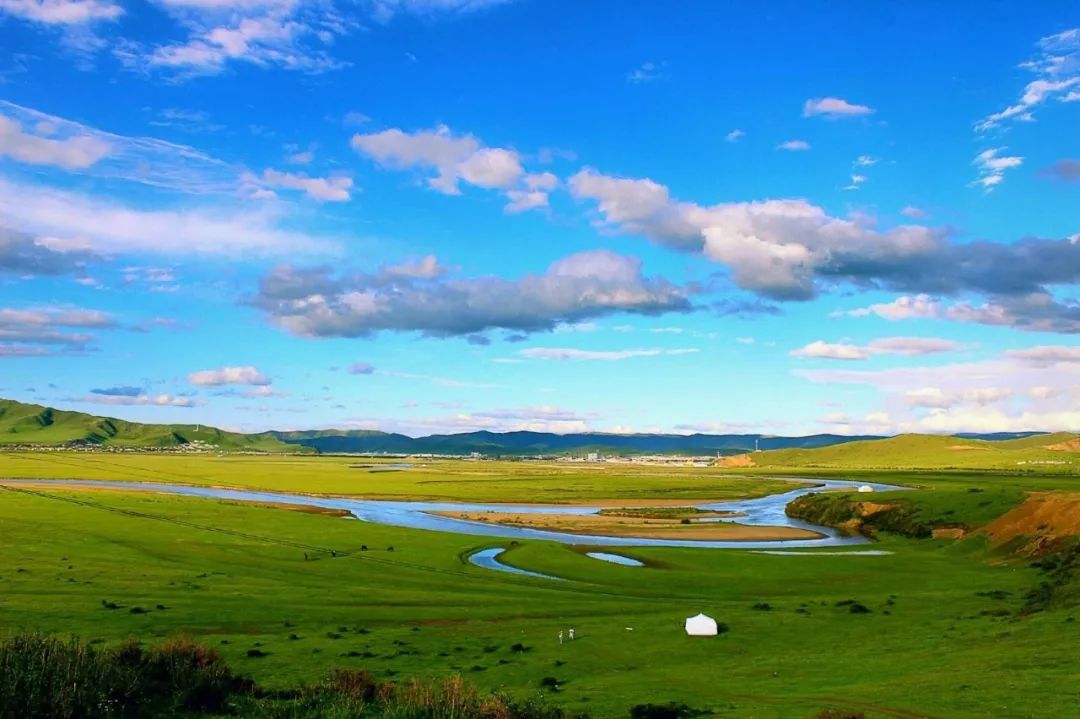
x=38 y=425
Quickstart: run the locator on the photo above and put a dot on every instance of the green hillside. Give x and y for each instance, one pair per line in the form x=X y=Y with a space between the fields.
x=33 y=424
x=1043 y=453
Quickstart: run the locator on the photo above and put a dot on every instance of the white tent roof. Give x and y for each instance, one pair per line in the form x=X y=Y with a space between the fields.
x=701 y=626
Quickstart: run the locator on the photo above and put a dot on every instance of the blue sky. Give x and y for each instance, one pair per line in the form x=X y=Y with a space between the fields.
x=444 y=215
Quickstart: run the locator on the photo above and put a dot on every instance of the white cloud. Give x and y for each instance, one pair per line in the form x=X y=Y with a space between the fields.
x=834 y=107
x=904 y=346
x=826 y=350
x=453 y=158
x=791 y=249
x=992 y=166
x=734 y=136
x=460 y=158
x=570 y=354
x=287 y=34
x=1057 y=75
x=385 y=10
x=794 y=145
x=89 y=151
x=159 y=400
x=62 y=12
x=73 y=152
x=68 y=221
x=322 y=189
x=902 y=308
x=914 y=213
x=646 y=72
x=1047 y=355
x=1003 y=394
x=865 y=161
x=47 y=329
x=229 y=375
x=587 y=285
x=427 y=267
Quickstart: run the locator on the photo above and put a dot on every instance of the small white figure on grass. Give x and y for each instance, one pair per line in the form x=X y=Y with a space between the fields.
x=571 y=634
x=560 y=636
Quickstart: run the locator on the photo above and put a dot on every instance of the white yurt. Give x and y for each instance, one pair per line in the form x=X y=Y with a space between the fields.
x=866 y=488
x=701 y=626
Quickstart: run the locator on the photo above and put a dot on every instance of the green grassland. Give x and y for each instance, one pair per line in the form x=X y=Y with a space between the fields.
x=489 y=481
x=945 y=634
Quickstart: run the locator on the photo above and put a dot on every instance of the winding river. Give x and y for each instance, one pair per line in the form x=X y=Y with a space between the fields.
x=768 y=510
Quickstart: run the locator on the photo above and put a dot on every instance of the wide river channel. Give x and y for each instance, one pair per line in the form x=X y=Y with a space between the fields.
x=768 y=511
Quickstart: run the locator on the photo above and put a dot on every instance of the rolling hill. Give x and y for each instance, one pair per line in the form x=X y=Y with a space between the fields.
x=1057 y=451
x=32 y=424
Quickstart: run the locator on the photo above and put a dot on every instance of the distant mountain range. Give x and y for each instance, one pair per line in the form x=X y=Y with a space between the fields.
x=31 y=424
x=536 y=443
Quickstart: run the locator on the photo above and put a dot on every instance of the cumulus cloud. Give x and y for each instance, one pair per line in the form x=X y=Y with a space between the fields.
x=159 y=400
x=564 y=354
x=62 y=12
x=452 y=157
x=793 y=145
x=1056 y=67
x=315 y=303
x=904 y=346
x=459 y=158
x=994 y=395
x=792 y=250
x=24 y=255
x=286 y=34
x=321 y=189
x=1035 y=311
x=122 y=391
x=49 y=329
x=427 y=267
x=991 y=166
x=228 y=375
x=74 y=152
x=1047 y=355
x=833 y=108
x=645 y=72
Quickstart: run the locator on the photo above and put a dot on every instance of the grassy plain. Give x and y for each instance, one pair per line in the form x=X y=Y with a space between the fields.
x=452 y=480
x=942 y=636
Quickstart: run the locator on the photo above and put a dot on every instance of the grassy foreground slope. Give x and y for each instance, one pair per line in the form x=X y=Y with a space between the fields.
x=937 y=631
x=31 y=424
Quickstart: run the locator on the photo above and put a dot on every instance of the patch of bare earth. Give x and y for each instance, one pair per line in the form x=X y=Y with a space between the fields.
x=964 y=447
x=1071 y=445
x=1044 y=519
x=736 y=462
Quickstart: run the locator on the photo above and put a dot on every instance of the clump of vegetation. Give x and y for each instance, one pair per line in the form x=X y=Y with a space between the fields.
x=839 y=714
x=1060 y=585
x=671 y=710
x=762 y=607
x=48 y=678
